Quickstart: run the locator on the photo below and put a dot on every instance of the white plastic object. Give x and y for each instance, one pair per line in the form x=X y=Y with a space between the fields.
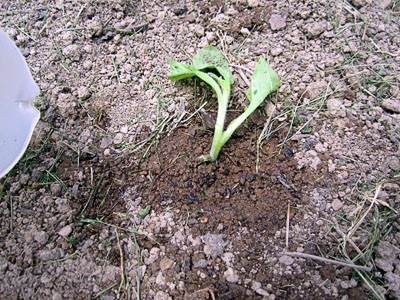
x=18 y=116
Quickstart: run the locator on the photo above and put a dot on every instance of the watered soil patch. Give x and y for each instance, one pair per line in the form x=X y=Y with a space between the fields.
x=239 y=200
x=228 y=198
x=229 y=191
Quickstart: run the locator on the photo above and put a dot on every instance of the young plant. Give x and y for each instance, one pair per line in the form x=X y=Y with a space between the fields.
x=210 y=66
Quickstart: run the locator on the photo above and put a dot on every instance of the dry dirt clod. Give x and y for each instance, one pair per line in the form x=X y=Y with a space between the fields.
x=179 y=8
x=253 y=3
x=118 y=138
x=166 y=263
x=83 y=93
x=286 y=260
x=214 y=244
x=65 y=231
x=277 y=22
x=337 y=204
x=315 y=29
x=392 y=105
x=231 y=275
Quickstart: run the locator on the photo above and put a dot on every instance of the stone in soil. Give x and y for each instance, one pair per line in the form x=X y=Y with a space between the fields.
x=286 y=260
x=65 y=231
x=231 y=275
x=392 y=105
x=214 y=244
x=277 y=22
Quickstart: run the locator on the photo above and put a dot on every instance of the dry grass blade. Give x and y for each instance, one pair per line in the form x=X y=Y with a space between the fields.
x=207 y=289
x=327 y=260
x=358 y=224
x=121 y=254
x=260 y=138
x=288 y=138
x=138 y=273
x=345 y=239
x=375 y=233
x=287 y=224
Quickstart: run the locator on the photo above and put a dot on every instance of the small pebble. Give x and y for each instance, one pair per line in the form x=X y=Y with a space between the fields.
x=276 y=51
x=286 y=260
x=118 y=138
x=65 y=231
x=277 y=22
x=231 y=276
x=253 y=3
x=337 y=204
x=124 y=129
x=204 y=220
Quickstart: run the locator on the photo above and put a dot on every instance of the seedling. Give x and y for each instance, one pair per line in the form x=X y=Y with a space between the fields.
x=210 y=65
x=144 y=212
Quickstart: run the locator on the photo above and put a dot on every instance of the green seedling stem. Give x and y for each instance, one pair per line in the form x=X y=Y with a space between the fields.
x=210 y=65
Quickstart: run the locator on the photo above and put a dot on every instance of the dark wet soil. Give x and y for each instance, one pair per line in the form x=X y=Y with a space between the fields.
x=228 y=194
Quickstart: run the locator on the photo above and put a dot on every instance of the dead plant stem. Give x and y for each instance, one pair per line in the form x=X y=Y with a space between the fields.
x=378 y=189
x=266 y=126
x=208 y=290
x=287 y=224
x=120 y=254
x=327 y=260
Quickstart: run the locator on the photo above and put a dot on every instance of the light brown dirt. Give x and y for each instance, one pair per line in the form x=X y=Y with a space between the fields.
x=116 y=136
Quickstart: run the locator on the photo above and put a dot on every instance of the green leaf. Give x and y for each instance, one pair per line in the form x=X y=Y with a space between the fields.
x=264 y=81
x=144 y=212
x=179 y=71
x=306 y=130
x=211 y=58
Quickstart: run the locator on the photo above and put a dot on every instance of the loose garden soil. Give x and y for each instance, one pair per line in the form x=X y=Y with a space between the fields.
x=110 y=200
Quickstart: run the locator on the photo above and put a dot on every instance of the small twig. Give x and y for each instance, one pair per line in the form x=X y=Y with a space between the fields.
x=138 y=274
x=266 y=126
x=305 y=42
x=120 y=254
x=364 y=31
x=352 y=11
x=327 y=260
x=287 y=225
x=378 y=189
x=116 y=70
x=379 y=49
x=176 y=121
x=244 y=77
x=222 y=39
x=371 y=287
x=241 y=67
x=197 y=110
x=208 y=290
x=283 y=182
x=368 y=92
x=338 y=230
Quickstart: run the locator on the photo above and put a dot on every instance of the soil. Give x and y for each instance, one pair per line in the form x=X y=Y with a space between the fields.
x=110 y=198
